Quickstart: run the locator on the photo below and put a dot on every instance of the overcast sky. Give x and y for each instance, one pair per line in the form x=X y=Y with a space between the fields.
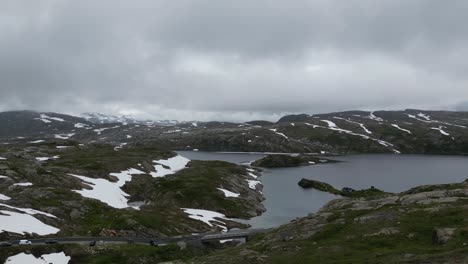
x=232 y=60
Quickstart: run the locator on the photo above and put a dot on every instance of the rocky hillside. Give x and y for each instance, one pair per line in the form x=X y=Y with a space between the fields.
x=74 y=189
x=409 y=131
x=427 y=224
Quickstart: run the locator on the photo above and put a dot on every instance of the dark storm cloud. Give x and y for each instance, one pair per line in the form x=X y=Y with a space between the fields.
x=231 y=59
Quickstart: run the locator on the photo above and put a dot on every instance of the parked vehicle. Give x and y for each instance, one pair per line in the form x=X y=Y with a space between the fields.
x=51 y=241
x=5 y=244
x=24 y=242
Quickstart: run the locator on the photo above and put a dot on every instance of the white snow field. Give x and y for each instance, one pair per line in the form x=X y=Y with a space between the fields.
x=106 y=191
x=64 y=136
x=53 y=258
x=80 y=125
x=402 y=129
x=46 y=158
x=24 y=222
x=36 y=141
x=23 y=184
x=373 y=117
x=424 y=116
x=47 y=119
x=278 y=133
x=419 y=119
x=4 y=197
x=28 y=210
x=228 y=193
x=100 y=130
x=175 y=164
x=333 y=126
x=354 y=122
x=440 y=129
x=63 y=147
x=206 y=216
x=253 y=175
x=253 y=184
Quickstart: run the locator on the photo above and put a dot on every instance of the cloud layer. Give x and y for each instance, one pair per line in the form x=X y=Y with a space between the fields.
x=232 y=60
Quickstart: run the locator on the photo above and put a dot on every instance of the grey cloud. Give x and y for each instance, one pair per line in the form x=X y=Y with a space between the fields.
x=232 y=59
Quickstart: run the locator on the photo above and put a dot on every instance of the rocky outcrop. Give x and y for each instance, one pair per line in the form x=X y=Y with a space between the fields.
x=357 y=230
x=346 y=191
x=443 y=235
x=283 y=160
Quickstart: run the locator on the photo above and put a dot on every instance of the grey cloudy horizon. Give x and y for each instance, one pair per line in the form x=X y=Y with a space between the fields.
x=232 y=60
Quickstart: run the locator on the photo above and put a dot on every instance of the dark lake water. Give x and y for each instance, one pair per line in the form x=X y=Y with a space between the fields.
x=285 y=200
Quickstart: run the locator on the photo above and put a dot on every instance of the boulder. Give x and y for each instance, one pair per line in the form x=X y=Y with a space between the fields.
x=442 y=235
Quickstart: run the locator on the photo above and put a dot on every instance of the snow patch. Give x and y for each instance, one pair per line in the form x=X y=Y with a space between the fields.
x=424 y=116
x=47 y=119
x=174 y=164
x=46 y=158
x=373 y=117
x=440 y=129
x=414 y=117
x=334 y=127
x=253 y=184
x=63 y=147
x=23 y=184
x=28 y=210
x=36 y=141
x=24 y=222
x=64 y=136
x=100 y=130
x=208 y=217
x=120 y=146
x=4 y=197
x=278 y=133
x=253 y=175
x=229 y=193
x=106 y=191
x=53 y=258
x=80 y=125
x=402 y=129
x=353 y=122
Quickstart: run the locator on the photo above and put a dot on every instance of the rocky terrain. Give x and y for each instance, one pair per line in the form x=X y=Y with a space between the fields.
x=346 y=191
x=104 y=176
x=427 y=224
x=74 y=189
x=408 y=131
x=284 y=160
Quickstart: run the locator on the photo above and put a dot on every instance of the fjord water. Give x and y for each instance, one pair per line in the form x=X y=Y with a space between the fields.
x=285 y=200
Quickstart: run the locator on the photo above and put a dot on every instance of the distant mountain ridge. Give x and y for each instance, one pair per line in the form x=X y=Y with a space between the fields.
x=408 y=131
x=99 y=118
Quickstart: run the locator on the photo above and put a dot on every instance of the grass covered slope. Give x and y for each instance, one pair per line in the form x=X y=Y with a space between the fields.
x=160 y=199
x=284 y=160
x=428 y=224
